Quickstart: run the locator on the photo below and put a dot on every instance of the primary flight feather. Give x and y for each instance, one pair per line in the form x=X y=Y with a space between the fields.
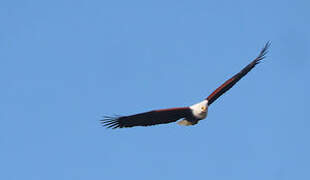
x=189 y=115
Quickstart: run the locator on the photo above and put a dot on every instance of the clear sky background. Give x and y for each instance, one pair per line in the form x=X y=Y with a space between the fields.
x=66 y=63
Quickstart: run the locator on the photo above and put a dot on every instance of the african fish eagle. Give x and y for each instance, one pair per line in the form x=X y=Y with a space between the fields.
x=189 y=115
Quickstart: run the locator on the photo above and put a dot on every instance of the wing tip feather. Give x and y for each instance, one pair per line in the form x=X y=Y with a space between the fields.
x=263 y=52
x=110 y=122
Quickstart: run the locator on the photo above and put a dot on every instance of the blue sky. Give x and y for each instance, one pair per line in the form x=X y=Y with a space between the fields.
x=65 y=64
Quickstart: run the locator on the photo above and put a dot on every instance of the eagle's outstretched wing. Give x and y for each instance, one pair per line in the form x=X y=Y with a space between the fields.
x=161 y=116
x=232 y=81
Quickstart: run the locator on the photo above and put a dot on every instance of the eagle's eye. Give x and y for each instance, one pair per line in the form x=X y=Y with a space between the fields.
x=203 y=108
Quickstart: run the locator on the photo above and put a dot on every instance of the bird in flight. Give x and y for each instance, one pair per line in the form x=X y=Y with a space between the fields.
x=190 y=115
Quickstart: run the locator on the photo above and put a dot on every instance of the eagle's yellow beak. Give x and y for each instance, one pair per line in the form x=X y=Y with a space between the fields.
x=203 y=109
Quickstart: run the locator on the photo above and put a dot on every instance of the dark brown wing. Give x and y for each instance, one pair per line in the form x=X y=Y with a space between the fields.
x=162 y=116
x=232 y=81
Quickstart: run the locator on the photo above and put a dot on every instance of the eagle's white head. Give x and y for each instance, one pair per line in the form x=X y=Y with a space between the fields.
x=200 y=110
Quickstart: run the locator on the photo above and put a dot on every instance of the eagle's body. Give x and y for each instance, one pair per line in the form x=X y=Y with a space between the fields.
x=198 y=112
x=189 y=115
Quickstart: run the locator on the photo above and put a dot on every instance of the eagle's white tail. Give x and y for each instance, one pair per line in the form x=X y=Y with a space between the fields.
x=185 y=122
